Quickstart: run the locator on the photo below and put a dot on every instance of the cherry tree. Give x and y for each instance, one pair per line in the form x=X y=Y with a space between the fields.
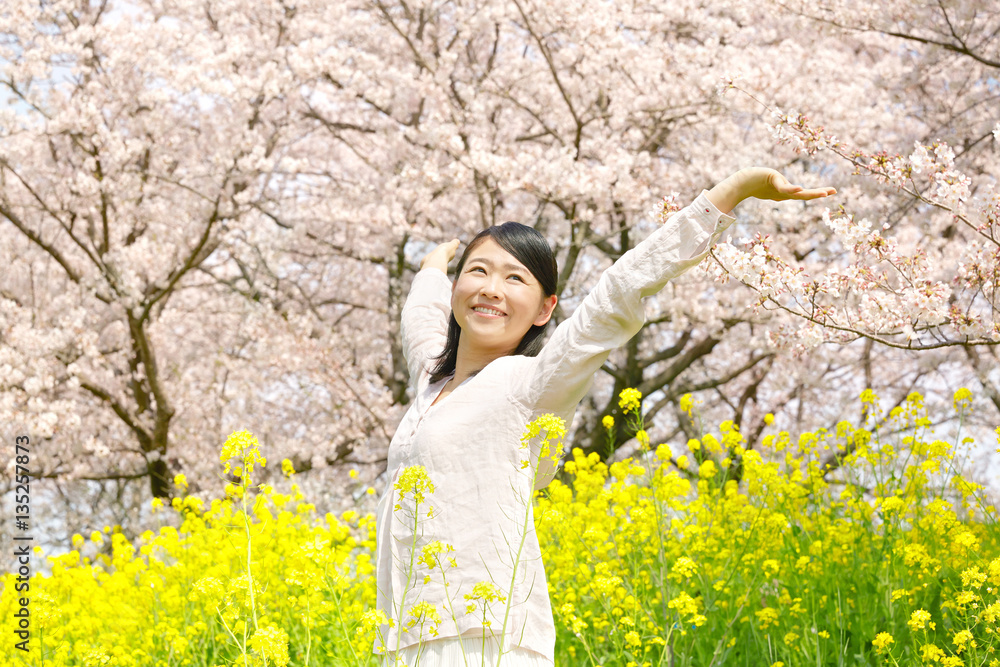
x=571 y=133
x=210 y=213
x=148 y=303
x=917 y=243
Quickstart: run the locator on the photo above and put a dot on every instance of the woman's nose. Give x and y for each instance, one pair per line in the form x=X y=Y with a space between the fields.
x=490 y=286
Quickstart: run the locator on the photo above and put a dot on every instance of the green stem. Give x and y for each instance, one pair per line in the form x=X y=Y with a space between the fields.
x=520 y=548
x=308 y=632
x=343 y=623
x=246 y=522
x=451 y=608
x=409 y=578
x=243 y=651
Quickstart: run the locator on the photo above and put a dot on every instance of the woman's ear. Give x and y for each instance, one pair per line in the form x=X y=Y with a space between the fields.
x=548 y=305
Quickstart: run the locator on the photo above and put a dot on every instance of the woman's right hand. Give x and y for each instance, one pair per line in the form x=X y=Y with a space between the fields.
x=440 y=256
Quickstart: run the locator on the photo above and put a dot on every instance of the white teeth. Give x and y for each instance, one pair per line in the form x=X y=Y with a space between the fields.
x=488 y=311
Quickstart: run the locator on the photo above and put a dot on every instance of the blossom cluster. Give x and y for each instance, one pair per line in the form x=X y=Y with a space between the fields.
x=891 y=285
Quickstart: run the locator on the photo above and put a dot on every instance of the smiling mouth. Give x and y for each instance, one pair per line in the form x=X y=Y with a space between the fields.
x=488 y=312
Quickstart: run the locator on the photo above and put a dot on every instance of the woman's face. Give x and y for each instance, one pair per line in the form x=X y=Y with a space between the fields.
x=510 y=300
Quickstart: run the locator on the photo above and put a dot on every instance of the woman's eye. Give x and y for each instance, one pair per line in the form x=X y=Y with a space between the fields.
x=479 y=268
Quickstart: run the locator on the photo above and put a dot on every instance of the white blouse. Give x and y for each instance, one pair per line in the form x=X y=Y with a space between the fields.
x=469 y=443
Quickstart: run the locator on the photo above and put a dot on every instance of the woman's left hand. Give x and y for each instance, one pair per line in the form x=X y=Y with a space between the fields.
x=764 y=183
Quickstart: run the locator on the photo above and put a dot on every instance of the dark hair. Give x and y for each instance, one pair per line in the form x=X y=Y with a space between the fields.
x=530 y=248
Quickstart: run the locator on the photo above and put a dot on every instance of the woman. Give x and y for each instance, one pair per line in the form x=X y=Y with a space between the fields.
x=473 y=400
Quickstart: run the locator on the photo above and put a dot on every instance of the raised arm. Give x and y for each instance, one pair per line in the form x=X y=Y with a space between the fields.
x=424 y=318
x=613 y=312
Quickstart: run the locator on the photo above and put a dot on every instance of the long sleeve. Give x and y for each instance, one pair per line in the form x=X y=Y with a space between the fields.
x=613 y=312
x=424 y=319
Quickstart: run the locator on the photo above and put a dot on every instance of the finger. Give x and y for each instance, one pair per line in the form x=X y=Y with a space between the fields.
x=815 y=193
x=782 y=186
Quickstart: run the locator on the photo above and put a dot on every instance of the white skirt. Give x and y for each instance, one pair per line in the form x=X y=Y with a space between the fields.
x=447 y=652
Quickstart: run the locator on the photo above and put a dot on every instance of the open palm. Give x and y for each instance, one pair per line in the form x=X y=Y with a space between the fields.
x=765 y=183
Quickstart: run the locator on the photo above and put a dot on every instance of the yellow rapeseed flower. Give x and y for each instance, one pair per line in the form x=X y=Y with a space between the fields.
x=209 y=589
x=684 y=568
x=630 y=399
x=608 y=422
x=767 y=617
x=423 y=612
x=931 y=653
x=554 y=427
x=964 y=598
x=414 y=480
x=428 y=555
x=643 y=439
x=918 y=619
x=242 y=444
x=687 y=404
x=994 y=571
x=485 y=591
x=967 y=539
x=271 y=642
x=962 y=399
x=882 y=641
x=684 y=604
x=892 y=504
x=961 y=639
x=973 y=577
